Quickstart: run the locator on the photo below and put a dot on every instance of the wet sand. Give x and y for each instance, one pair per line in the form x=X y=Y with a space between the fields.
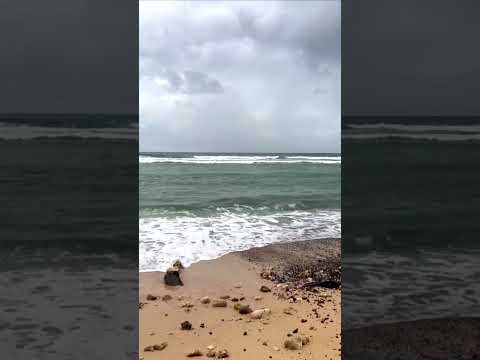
x=312 y=311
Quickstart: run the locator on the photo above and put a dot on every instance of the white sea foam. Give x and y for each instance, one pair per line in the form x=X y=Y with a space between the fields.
x=191 y=239
x=200 y=159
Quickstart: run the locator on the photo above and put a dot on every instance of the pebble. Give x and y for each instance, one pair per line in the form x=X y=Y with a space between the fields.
x=258 y=298
x=219 y=303
x=225 y=297
x=160 y=347
x=211 y=353
x=223 y=354
x=156 y=347
x=296 y=342
x=265 y=288
x=244 y=309
x=205 y=300
x=258 y=314
x=151 y=297
x=195 y=353
x=293 y=343
x=186 y=325
x=166 y=297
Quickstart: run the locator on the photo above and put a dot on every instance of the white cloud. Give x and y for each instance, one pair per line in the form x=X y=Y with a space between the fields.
x=240 y=76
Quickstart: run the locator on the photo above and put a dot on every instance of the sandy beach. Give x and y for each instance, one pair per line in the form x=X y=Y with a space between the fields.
x=299 y=306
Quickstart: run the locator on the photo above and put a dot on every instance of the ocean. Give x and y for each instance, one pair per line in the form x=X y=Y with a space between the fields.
x=198 y=206
x=412 y=251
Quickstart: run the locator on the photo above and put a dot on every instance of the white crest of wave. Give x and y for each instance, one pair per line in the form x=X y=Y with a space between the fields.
x=191 y=238
x=221 y=159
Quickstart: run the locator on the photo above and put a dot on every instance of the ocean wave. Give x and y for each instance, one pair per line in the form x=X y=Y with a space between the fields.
x=247 y=160
x=195 y=238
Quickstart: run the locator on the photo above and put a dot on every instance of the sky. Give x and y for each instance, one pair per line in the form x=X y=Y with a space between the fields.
x=240 y=76
x=419 y=58
x=62 y=56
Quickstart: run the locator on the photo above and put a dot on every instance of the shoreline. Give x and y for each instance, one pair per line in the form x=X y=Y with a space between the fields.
x=294 y=308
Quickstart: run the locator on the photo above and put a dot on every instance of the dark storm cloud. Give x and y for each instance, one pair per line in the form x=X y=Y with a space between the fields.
x=69 y=56
x=419 y=58
x=240 y=76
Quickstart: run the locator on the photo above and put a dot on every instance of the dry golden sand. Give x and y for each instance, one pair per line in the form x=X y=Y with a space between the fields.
x=225 y=328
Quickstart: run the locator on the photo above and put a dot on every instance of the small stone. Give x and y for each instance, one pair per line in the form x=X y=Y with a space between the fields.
x=293 y=343
x=295 y=331
x=148 y=348
x=167 y=297
x=304 y=339
x=258 y=314
x=178 y=264
x=225 y=297
x=222 y=354
x=219 y=303
x=186 y=325
x=202 y=325
x=265 y=288
x=195 y=353
x=265 y=343
x=187 y=305
x=234 y=299
x=160 y=347
x=211 y=353
x=258 y=298
x=245 y=333
x=242 y=308
x=205 y=300
x=211 y=347
x=275 y=348
x=151 y=297
x=303 y=320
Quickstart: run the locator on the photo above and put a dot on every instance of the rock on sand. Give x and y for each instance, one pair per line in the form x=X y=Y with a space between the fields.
x=172 y=277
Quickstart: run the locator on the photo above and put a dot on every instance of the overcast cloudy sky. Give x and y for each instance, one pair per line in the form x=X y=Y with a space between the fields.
x=240 y=76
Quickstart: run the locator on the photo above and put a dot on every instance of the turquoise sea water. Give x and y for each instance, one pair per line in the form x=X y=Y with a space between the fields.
x=201 y=206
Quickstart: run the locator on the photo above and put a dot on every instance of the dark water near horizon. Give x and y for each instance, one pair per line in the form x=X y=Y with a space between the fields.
x=196 y=206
